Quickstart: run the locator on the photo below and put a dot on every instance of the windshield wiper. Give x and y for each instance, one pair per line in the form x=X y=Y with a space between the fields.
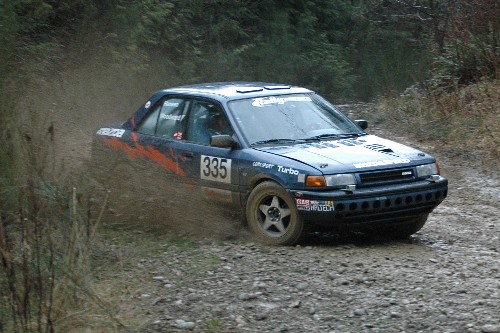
x=336 y=136
x=313 y=138
x=262 y=142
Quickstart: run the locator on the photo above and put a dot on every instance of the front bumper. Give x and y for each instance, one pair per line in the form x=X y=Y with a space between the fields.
x=371 y=205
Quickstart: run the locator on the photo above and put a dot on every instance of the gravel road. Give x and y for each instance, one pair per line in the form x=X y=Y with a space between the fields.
x=446 y=278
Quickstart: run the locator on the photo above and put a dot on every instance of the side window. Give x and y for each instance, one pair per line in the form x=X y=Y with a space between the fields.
x=171 y=119
x=148 y=125
x=166 y=119
x=206 y=119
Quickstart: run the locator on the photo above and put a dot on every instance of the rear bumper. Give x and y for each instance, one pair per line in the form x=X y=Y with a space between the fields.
x=371 y=206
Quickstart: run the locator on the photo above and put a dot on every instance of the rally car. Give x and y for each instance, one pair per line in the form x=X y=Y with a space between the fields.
x=282 y=154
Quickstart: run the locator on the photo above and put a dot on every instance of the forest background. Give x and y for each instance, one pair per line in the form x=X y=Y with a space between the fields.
x=429 y=66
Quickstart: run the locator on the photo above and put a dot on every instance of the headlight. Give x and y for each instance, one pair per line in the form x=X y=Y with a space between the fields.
x=331 y=180
x=315 y=181
x=340 y=179
x=427 y=170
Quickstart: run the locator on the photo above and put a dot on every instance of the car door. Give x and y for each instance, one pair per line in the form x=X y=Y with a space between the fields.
x=157 y=137
x=213 y=171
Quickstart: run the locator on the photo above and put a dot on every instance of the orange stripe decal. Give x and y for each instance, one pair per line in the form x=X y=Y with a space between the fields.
x=149 y=152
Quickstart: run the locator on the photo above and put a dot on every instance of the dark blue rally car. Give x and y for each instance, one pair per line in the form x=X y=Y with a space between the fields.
x=284 y=155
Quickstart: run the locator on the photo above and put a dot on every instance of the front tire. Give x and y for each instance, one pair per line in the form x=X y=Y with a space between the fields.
x=272 y=215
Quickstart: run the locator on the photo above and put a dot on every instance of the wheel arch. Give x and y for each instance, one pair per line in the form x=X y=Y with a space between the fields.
x=254 y=182
x=259 y=179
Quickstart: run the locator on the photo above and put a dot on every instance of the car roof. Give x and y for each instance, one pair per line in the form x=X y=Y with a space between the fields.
x=236 y=90
x=220 y=91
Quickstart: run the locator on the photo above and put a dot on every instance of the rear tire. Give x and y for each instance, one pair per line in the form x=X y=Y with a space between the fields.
x=272 y=215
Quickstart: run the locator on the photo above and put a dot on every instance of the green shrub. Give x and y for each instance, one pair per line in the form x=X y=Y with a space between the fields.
x=467 y=61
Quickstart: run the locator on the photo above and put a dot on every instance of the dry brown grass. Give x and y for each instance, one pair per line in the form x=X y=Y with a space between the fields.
x=464 y=122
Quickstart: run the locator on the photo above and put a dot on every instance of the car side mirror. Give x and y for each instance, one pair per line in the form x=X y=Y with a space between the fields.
x=222 y=141
x=363 y=124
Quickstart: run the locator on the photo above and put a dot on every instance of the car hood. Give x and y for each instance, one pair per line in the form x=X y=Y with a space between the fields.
x=367 y=152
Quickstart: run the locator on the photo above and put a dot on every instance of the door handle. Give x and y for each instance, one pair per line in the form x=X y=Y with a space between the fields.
x=187 y=156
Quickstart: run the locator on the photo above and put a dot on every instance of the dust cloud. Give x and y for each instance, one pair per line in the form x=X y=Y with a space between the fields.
x=61 y=113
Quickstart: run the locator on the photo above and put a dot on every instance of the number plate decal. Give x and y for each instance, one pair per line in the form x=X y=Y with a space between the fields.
x=215 y=168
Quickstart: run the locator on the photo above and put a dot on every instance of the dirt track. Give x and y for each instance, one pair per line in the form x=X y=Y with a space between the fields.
x=446 y=278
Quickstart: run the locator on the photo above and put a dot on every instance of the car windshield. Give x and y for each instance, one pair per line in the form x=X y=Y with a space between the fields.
x=290 y=118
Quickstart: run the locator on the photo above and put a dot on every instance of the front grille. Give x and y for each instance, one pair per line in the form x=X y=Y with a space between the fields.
x=386 y=176
x=395 y=202
x=372 y=210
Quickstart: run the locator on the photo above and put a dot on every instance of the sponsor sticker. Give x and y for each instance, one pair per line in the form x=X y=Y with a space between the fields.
x=260 y=102
x=303 y=204
x=116 y=132
x=381 y=163
x=322 y=208
x=263 y=165
x=172 y=104
x=171 y=117
x=322 y=205
x=315 y=205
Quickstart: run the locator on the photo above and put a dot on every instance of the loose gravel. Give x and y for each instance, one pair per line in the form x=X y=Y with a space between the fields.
x=446 y=278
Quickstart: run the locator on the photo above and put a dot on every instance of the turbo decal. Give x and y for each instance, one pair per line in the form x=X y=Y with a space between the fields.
x=380 y=163
x=215 y=168
x=116 y=132
x=146 y=152
x=289 y=171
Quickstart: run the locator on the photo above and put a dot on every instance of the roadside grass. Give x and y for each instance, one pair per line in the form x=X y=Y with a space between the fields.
x=464 y=122
x=130 y=267
x=46 y=237
x=66 y=267
x=214 y=325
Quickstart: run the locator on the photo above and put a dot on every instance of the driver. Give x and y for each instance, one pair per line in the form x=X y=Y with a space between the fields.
x=218 y=124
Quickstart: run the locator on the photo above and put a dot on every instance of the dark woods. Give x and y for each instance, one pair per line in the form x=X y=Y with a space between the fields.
x=347 y=50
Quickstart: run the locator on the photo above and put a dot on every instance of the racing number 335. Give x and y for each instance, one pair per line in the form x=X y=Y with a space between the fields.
x=215 y=168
